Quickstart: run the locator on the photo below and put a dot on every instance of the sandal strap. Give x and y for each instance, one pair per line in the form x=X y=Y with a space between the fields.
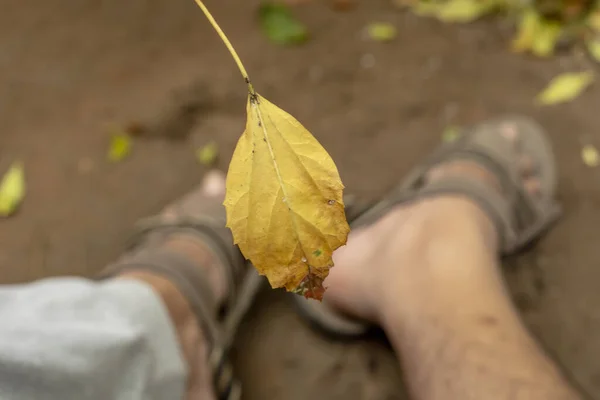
x=495 y=207
x=184 y=274
x=192 y=282
x=211 y=231
x=518 y=216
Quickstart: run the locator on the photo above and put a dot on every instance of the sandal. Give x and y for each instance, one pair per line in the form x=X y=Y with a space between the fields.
x=208 y=225
x=520 y=218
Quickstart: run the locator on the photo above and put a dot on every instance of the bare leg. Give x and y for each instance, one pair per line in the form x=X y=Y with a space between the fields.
x=191 y=339
x=428 y=272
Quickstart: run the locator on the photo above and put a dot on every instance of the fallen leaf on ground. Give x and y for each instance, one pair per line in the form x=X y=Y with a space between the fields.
x=284 y=200
x=381 y=31
x=207 y=155
x=593 y=20
x=12 y=189
x=536 y=34
x=593 y=47
x=425 y=9
x=565 y=87
x=450 y=134
x=280 y=26
x=460 y=11
x=590 y=156
x=528 y=26
x=120 y=147
x=545 y=39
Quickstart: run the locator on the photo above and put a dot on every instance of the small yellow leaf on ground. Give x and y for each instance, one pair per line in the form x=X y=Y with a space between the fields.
x=464 y=10
x=565 y=87
x=593 y=47
x=545 y=39
x=120 y=147
x=427 y=9
x=381 y=31
x=207 y=155
x=590 y=156
x=528 y=27
x=536 y=34
x=12 y=189
x=451 y=133
x=593 y=20
x=284 y=200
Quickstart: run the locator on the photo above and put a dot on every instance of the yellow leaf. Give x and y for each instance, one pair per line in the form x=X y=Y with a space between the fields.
x=545 y=39
x=593 y=20
x=381 y=31
x=565 y=87
x=460 y=11
x=451 y=133
x=12 y=189
x=427 y=9
x=284 y=200
x=207 y=155
x=590 y=156
x=593 y=47
x=283 y=195
x=528 y=27
x=536 y=34
x=120 y=147
x=464 y=10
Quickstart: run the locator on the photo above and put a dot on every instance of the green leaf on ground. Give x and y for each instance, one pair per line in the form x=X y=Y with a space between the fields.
x=280 y=26
x=12 y=189
x=593 y=47
x=120 y=147
x=450 y=134
x=381 y=31
x=207 y=155
x=590 y=156
x=565 y=87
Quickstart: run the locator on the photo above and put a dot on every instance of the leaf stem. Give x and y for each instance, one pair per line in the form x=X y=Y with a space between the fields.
x=229 y=46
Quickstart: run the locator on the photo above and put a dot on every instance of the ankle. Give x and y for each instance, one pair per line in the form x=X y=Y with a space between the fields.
x=194 y=347
x=440 y=220
x=192 y=247
x=431 y=232
x=175 y=302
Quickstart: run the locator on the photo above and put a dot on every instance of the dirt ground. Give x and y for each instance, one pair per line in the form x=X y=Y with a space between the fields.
x=70 y=70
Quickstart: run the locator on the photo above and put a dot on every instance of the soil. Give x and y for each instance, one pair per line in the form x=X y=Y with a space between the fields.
x=72 y=71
